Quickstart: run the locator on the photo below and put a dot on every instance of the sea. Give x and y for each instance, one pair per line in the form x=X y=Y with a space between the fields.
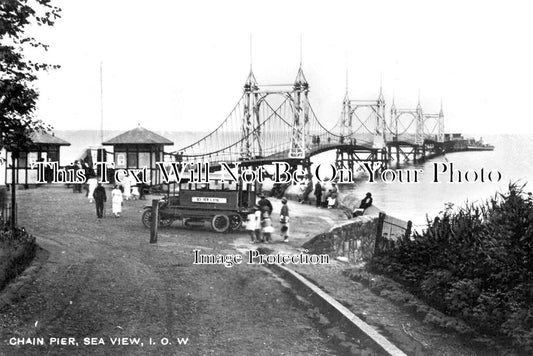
x=415 y=201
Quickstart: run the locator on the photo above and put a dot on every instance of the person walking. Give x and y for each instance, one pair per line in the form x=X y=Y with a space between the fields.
x=318 y=194
x=100 y=198
x=77 y=167
x=308 y=189
x=142 y=191
x=116 y=200
x=92 y=183
x=284 y=220
x=126 y=184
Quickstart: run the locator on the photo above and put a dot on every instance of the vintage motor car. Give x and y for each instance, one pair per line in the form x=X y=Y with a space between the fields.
x=224 y=204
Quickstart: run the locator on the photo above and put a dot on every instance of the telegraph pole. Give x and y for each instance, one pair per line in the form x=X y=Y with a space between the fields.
x=101 y=104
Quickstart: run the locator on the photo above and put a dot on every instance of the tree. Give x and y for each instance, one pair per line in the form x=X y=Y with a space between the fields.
x=18 y=95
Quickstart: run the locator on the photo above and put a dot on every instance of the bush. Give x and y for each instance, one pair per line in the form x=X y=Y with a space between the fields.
x=475 y=263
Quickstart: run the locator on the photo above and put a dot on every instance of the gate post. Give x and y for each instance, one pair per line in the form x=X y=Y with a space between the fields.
x=379 y=234
x=408 y=229
x=154 y=222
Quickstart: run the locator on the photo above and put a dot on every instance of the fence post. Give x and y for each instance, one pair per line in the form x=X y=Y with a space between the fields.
x=408 y=229
x=154 y=222
x=379 y=234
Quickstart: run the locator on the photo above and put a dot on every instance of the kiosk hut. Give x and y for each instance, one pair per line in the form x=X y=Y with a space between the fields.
x=139 y=148
x=46 y=147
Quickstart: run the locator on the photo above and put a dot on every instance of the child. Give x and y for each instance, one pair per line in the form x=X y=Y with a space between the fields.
x=284 y=220
x=251 y=226
x=258 y=234
x=332 y=201
x=266 y=224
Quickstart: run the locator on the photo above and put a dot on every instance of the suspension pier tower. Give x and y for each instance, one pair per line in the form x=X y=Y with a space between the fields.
x=362 y=133
x=433 y=126
x=415 y=136
x=288 y=103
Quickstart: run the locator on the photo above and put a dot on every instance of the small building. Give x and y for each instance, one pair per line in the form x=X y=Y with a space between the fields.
x=453 y=137
x=46 y=147
x=139 y=148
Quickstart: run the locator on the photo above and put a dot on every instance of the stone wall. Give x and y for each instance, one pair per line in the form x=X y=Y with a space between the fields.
x=354 y=240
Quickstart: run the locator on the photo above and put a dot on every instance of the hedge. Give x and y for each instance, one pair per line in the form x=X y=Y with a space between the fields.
x=475 y=263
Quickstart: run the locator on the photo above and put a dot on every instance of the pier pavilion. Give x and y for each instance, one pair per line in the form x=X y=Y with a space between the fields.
x=46 y=147
x=139 y=148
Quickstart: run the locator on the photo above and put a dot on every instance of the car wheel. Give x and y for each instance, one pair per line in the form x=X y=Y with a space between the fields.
x=220 y=223
x=147 y=218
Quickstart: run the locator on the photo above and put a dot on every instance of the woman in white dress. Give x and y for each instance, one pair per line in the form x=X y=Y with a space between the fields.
x=116 y=199
x=126 y=184
x=92 y=183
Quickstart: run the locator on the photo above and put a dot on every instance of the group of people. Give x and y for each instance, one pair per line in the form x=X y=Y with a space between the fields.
x=330 y=201
x=129 y=187
x=326 y=199
x=259 y=223
x=76 y=166
x=98 y=195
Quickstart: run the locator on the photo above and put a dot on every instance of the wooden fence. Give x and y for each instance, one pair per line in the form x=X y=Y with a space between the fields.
x=5 y=214
x=390 y=229
x=361 y=238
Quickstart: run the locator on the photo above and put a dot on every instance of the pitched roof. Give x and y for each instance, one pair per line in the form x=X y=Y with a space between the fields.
x=138 y=135
x=47 y=139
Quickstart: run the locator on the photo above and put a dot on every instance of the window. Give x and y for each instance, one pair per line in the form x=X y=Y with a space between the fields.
x=53 y=154
x=144 y=159
x=32 y=158
x=22 y=163
x=120 y=159
x=132 y=159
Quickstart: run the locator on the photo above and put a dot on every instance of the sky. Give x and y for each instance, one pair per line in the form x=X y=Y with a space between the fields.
x=181 y=65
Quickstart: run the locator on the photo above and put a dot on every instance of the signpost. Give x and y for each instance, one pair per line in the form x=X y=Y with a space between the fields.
x=154 y=222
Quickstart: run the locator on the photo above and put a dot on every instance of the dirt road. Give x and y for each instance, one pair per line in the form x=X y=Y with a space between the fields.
x=103 y=281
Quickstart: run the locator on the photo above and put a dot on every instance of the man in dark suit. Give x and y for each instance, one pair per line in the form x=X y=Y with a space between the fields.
x=100 y=198
x=318 y=194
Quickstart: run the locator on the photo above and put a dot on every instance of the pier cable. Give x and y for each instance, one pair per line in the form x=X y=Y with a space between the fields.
x=217 y=133
x=322 y=126
x=215 y=130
